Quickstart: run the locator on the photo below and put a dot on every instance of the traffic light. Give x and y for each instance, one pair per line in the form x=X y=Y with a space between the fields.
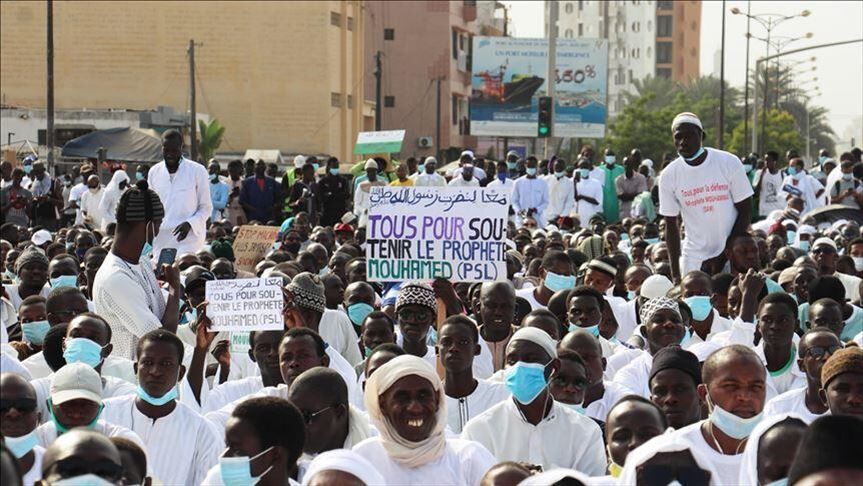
x=543 y=128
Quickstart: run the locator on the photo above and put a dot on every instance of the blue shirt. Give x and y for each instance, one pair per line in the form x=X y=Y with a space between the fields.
x=219 y=197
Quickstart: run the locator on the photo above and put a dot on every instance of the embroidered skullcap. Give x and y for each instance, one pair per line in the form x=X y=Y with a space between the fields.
x=418 y=294
x=653 y=306
x=848 y=360
x=686 y=117
x=538 y=337
x=601 y=266
x=139 y=204
x=308 y=292
x=30 y=255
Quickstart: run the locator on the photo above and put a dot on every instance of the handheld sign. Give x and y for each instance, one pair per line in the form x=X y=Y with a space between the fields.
x=423 y=233
x=245 y=305
x=251 y=244
x=388 y=141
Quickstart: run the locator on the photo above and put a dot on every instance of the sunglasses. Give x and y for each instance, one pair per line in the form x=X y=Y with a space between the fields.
x=827 y=250
x=309 y=417
x=819 y=352
x=23 y=405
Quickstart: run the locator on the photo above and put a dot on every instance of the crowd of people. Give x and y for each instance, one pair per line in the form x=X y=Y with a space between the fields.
x=686 y=324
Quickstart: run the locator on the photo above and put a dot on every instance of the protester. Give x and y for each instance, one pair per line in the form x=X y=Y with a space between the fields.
x=842 y=382
x=334 y=192
x=82 y=456
x=829 y=453
x=674 y=380
x=19 y=417
x=530 y=196
x=429 y=176
x=631 y=422
x=260 y=195
x=187 y=202
x=111 y=196
x=218 y=191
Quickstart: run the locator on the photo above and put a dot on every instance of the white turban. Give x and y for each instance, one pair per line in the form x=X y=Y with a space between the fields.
x=406 y=453
x=538 y=337
x=344 y=460
x=749 y=463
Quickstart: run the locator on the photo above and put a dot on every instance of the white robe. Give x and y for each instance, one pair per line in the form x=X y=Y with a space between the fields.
x=35 y=473
x=635 y=376
x=186 y=199
x=463 y=462
x=47 y=433
x=792 y=401
x=181 y=447
x=599 y=409
x=230 y=391
x=564 y=438
x=91 y=212
x=120 y=368
x=337 y=331
x=486 y=395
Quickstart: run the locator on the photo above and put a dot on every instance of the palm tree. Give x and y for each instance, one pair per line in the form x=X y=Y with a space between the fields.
x=211 y=138
x=662 y=88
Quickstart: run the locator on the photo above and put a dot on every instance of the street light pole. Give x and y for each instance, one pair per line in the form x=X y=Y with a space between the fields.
x=746 y=72
x=721 y=134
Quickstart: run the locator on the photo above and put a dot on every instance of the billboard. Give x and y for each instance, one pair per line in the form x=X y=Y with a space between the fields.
x=509 y=76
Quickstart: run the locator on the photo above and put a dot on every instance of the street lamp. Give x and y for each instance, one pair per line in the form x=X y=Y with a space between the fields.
x=769 y=21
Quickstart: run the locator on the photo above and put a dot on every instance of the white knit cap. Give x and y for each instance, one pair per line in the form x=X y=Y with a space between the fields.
x=299 y=161
x=655 y=286
x=371 y=164
x=538 y=337
x=686 y=117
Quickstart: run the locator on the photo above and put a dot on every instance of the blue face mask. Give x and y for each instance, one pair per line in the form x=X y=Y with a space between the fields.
x=511 y=165
x=334 y=171
x=630 y=295
x=34 y=332
x=64 y=281
x=792 y=171
x=20 y=446
x=28 y=168
x=747 y=168
x=367 y=350
x=697 y=154
x=62 y=429
x=593 y=330
x=559 y=175
x=790 y=235
x=316 y=167
x=821 y=160
x=700 y=305
x=651 y=241
x=610 y=159
x=237 y=471
x=526 y=381
x=421 y=168
x=730 y=424
x=83 y=350
x=10 y=275
x=358 y=312
x=778 y=482
x=584 y=173
x=804 y=245
x=575 y=407
x=687 y=335
x=214 y=177
x=139 y=176
x=431 y=339
x=624 y=237
x=555 y=282
x=531 y=171
x=157 y=401
x=83 y=480
x=501 y=177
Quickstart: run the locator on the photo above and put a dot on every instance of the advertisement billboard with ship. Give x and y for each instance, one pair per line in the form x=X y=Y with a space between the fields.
x=509 y=76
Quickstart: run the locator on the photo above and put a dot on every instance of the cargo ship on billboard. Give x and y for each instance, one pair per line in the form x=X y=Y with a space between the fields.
x=519 y=90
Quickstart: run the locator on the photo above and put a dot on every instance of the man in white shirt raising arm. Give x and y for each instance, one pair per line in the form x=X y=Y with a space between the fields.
x=710 y=192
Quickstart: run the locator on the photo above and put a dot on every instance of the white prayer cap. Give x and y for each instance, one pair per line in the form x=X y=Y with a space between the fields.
x=299 y=161
x=805 y=229
x=371 y=164
x=686 y=117
x=824 y=241
x=554 y=476
x=536 y=336
x=511 y=152
x=647 y=162
x=41 y=237
x=667 y=442
x=430 y=159
x=655 y=286
x=344 y=460
x=469 y=153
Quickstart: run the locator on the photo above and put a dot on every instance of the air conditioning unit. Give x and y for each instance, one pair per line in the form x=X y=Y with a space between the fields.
x=425 y=142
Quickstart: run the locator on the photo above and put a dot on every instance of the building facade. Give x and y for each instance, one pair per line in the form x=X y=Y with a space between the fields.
x=646 y=38
x=425 y=51
x=277 y=75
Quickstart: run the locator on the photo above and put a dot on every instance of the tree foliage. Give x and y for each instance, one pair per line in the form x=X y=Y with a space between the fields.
x=781 y=133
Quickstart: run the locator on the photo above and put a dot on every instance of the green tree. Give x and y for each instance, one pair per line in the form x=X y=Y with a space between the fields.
x=781 y=133
x=210 y=138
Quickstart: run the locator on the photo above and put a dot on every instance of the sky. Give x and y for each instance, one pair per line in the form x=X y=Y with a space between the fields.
x=839 y=69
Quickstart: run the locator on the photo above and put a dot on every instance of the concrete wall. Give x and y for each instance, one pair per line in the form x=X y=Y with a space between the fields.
x=266 y=70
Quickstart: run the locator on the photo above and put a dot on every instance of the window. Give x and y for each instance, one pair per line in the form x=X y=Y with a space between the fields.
x=336 y=19
x=454 y=44
x=630 y=76
x=663 y=52
x=663 y=26
x=336 y=99
x=350 y=101
x=589 y=29
x=389 y=34
x=694 y=25
x=580 y=29
x=568 y=8
x=350 y=23
x=649 y=52
x=663 y=73
x=693 y=52
x=454 y=110
x=650 y=26
x=389 y=101
x=666 y=5
x=636 y=26
x=580 y=5
x=568 y=33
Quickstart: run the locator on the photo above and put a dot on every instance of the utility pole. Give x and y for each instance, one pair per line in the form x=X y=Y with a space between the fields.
x=193 y=122
x=721 y=134
x=378 y=110
x=746 y=89
x=50 y=86
x=9 y=138
x=437 y=140
x=551 y=77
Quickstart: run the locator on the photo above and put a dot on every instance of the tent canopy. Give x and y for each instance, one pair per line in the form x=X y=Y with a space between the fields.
x=122 y=144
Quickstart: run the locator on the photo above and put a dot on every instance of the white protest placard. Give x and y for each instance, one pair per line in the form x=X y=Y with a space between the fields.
x=245 y=304
x=423 y=233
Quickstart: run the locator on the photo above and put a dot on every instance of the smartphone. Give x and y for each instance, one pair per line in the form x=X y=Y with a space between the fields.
x=166 y=257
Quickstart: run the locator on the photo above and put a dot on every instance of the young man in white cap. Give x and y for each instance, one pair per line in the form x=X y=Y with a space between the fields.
x=466 y=158
x=465 y=178
x=825 y=253
x=428 y=176
x=532 y=427
x=530 y=195
x=362 y=193
x=708 y=189
x=76 y=401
